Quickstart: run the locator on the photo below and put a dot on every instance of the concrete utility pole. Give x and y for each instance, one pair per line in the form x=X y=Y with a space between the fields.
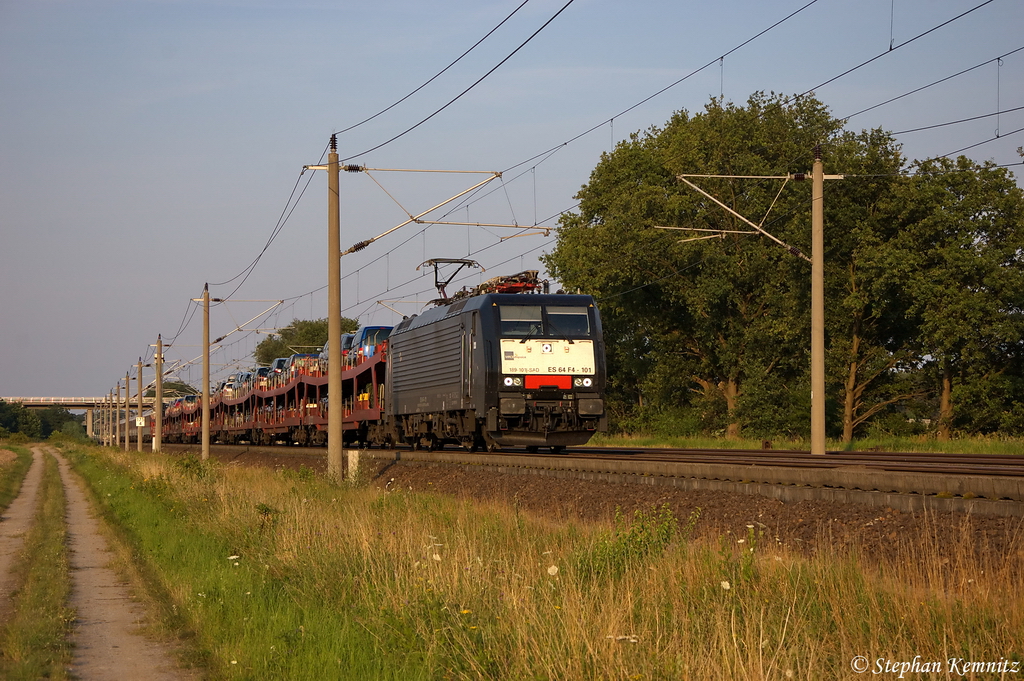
x=138 y=428
x=127 y=410
x=817 y=305
x=158 y=405
x=116 y=408
x=817 y=261
x=335 y=406
x=206 y=372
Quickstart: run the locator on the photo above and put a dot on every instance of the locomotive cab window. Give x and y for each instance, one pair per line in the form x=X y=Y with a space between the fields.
x=568 y=321
x=535 y=321
x=520 y=320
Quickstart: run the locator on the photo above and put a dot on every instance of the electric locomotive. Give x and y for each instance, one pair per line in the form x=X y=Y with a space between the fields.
x=499 y=369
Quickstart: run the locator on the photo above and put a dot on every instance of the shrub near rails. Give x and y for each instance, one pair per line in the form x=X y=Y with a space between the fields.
x=284 y=575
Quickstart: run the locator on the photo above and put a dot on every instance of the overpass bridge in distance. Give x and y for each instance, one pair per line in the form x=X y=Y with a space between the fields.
x=89 y=404
x=73 y=402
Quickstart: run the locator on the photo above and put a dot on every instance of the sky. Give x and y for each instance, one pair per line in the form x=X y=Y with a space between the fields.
x=149 y=147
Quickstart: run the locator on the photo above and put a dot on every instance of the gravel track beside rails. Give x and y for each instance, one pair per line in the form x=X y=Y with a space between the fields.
x=991 y=485
x=807 y=526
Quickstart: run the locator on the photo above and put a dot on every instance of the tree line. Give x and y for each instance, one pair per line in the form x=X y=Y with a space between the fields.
x=301 y=336
x=708 y=331
x=38 y=423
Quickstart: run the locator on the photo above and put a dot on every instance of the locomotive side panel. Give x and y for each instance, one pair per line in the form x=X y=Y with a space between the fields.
x=427 y=367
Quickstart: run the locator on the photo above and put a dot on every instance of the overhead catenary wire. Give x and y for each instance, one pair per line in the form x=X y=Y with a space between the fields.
x=663 y=90
x=986 y=141
x=893 y=49
x=436 y=75
x=962 y=120
x=933 y=83
x=464 y=92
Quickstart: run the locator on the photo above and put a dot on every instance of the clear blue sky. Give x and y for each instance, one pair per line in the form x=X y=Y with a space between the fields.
x=149 y=146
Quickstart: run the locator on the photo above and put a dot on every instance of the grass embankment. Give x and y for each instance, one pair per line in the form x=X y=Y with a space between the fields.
x=33 y=642
x=12 y=471
x=282 y=575
x=966 y=445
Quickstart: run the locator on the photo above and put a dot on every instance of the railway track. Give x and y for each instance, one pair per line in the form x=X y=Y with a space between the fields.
x=982 y=484
x=883 y=461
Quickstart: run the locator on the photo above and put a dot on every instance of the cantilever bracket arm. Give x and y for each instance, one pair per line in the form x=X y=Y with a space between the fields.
x=792 y=249
x=416 y=218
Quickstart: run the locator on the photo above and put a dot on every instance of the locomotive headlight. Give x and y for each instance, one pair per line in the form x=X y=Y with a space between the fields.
x=509 y=381
x=577 y=382
x=513 y=381
x=587 y=382
x=518 y=381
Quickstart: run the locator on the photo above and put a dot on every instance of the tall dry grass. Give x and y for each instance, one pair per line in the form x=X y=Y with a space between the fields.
x=423 y=586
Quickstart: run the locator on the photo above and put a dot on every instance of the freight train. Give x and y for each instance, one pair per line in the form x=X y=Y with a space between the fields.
x=502 y=365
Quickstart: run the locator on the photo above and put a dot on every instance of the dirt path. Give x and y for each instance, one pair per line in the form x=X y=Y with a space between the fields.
x=108 y=643
x=14 y=524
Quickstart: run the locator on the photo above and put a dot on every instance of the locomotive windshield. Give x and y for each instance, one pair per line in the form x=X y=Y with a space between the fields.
x=568 y=321
x=535 y=321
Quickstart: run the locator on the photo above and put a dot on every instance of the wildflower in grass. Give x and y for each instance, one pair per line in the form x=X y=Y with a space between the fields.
x=553 y=570
x=631 y=638
x=466 y=612
x=725 y=585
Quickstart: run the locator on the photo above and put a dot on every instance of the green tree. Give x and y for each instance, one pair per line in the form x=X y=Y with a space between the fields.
x=29 y=423
x=16 y=418
x=174 y=389
x=869 y=337
x=709 y=322
x=52 y=420
x=923 y=277
x=959 y=257
x=73 y=429
x=303 y=335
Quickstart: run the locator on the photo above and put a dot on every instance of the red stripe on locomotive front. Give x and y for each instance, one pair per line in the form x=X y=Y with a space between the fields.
x=560 y=382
